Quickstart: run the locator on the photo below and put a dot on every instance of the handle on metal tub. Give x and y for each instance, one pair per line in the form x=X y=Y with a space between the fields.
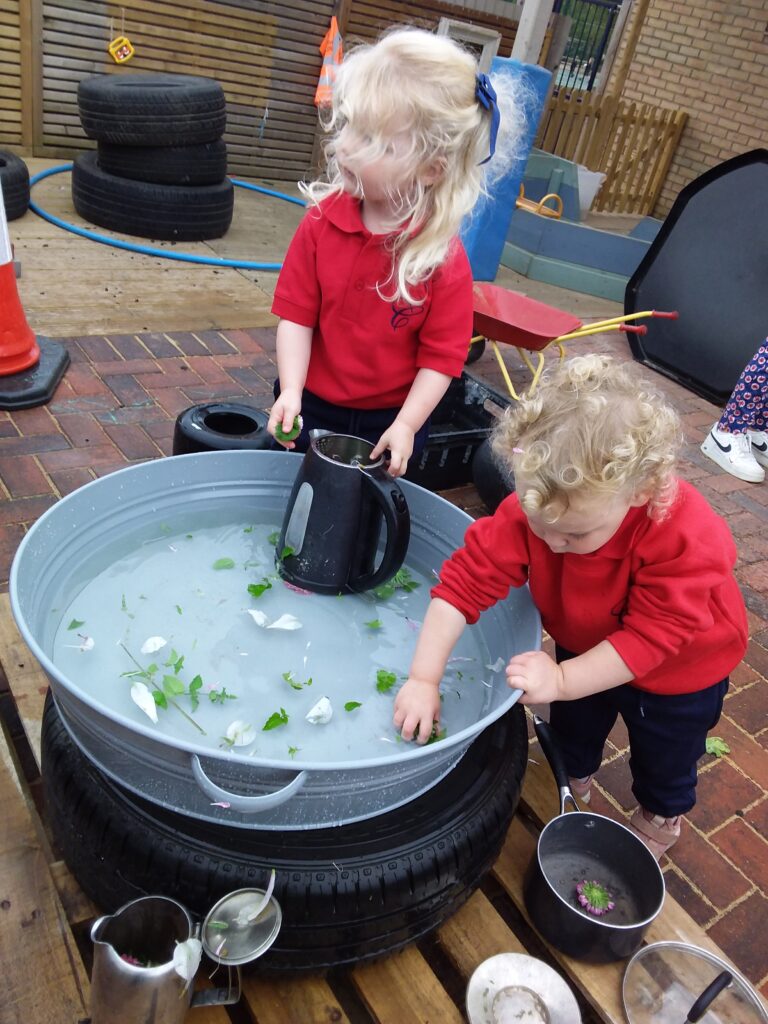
x=246 y=804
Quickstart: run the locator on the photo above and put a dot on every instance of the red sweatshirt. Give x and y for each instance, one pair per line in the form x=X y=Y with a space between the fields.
x=663 y=593
x=366 y=350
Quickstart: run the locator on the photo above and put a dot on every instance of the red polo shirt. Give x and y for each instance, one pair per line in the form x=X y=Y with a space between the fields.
x=662 y=593
x=367 y=350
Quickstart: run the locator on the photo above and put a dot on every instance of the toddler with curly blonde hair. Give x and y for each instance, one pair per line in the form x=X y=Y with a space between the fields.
x=631 y=571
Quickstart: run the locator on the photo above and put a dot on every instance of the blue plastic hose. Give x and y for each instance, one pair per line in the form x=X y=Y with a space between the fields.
x=165 y=254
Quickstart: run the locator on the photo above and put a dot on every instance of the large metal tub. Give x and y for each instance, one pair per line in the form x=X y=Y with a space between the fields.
x=48 y=572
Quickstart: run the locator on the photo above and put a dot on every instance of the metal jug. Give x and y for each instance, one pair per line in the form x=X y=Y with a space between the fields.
x=340 y=499
x=134 y=978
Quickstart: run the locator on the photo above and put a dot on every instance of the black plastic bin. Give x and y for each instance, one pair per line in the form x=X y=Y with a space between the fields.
x=459 y=426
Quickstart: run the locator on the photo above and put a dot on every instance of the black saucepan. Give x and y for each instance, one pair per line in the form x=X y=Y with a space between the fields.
x=584 y=847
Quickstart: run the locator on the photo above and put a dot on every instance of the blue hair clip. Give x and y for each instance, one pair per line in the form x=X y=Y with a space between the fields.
x=485 y=95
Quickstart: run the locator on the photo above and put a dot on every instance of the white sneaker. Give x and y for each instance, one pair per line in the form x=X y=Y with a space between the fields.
x=759 y=440
x=734 y=453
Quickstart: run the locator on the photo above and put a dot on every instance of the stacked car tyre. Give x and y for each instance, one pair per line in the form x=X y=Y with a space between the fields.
x=160 y=170
x=14 y=181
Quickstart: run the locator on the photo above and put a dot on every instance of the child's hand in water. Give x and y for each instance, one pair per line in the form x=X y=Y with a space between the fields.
x=537 y=675
x=399 y=439
x=417 y=709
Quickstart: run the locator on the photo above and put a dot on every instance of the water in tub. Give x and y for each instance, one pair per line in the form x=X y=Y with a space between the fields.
x=191 y=624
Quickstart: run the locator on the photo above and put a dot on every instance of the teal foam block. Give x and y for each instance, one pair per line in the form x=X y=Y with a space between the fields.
x=484 y=232
x=646 y=229
x=576 y=243
x=546 y=173
x=586 y=280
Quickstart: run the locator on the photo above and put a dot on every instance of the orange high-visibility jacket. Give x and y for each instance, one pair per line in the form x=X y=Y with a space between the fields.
x=331 y=50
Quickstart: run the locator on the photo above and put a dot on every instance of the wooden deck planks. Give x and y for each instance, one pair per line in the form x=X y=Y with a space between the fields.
x=300 y=998
x=402 y=989
x=73 y=287
x=43 y=977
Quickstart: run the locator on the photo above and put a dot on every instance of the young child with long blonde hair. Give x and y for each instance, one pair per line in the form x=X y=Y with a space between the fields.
x=375 y=294
x=632 y=573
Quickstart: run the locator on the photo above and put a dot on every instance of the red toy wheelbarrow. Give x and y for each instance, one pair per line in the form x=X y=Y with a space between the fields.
x=501 y=315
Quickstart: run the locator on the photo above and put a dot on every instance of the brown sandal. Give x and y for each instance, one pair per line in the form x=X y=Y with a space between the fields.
x=658 y=833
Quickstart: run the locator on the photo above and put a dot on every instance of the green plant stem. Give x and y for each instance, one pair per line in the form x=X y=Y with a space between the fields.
x=189 y=718
x=170 y=700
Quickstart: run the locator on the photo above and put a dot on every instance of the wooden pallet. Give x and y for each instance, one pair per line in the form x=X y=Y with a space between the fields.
x=42 y=909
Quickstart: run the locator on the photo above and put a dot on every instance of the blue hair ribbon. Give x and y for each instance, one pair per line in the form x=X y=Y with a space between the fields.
x=485 y=95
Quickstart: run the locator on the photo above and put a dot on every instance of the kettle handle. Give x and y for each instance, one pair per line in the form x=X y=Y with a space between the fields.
x=385 y=491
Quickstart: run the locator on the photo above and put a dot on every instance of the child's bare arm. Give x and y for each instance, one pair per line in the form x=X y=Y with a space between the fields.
x=543 y=680
x=294 y=344
x=427 y=389
x=417 y=705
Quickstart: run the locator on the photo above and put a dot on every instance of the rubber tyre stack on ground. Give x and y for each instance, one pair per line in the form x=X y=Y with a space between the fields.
x=348 y=893
x=160 y=170
x=14 y=180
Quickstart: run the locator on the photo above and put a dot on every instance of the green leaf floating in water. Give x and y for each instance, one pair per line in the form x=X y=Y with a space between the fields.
x=76 y=624
x=374 y=624
x=275 y=719
x=436 y=735
x=716 y=746
x=385 y=680
x=194 y=688
x=224 y=563
x=257 y=589
x=352 y=704
x=402 y=580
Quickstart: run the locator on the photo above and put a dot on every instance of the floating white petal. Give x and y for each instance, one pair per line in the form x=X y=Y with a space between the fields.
x=186 y=958
x=143 y=699
x=321 y=713
x=240 y=734
x=497 y=666
x=152 y=644
x=285 y=622
x=88 y=643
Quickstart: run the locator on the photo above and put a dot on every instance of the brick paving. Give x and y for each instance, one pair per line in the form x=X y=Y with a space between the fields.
x=117 y=405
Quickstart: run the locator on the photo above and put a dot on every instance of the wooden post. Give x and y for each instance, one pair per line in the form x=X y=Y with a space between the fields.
x=529 y=37
x=617 y=80
x=31 y=72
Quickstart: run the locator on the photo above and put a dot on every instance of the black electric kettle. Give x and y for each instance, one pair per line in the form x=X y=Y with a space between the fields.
x=330 y=535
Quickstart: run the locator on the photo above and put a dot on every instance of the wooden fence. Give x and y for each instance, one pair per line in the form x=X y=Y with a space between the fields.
x=631 y=143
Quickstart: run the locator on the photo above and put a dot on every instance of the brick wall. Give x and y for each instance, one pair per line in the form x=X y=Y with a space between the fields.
x=709 y=58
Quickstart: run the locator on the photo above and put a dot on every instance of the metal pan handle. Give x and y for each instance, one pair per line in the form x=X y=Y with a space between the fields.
x=554 y=756
x=246 y=804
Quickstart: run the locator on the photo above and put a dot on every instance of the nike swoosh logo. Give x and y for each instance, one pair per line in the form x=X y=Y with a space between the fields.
x=760 y=447
x=722 y=447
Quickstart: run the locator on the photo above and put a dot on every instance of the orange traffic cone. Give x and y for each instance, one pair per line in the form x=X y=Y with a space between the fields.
x=18 y=347
x=29 y=372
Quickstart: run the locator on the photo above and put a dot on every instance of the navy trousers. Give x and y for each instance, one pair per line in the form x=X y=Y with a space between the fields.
x=369 y=424
x=667 y=736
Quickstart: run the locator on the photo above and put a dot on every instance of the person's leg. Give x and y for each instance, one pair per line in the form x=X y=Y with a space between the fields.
x=667 y=736
x=738 y=442
x=582 y=727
